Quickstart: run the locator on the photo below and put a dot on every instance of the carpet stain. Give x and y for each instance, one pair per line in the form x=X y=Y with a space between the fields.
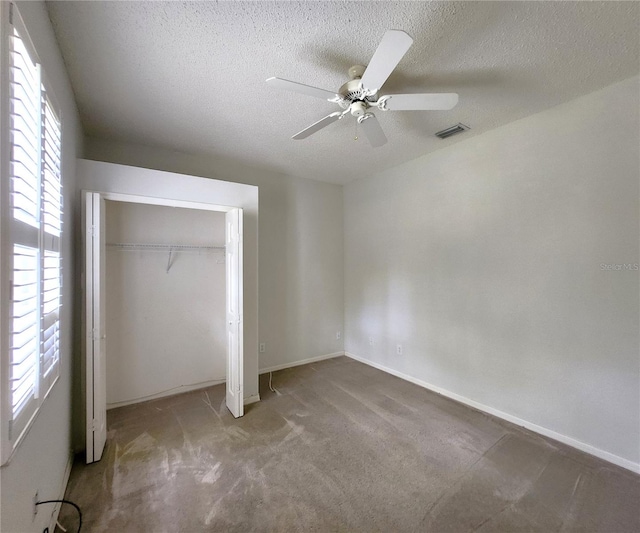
x=212 y=475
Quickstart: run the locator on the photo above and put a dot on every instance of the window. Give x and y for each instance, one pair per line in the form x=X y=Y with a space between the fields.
x=35 y=225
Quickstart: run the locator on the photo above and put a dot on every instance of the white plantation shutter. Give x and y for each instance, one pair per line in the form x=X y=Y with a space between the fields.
x=51 y=227
x=52 y=197
x=25 y=96
x=36 y=224
x=25 y=318
x=50 y=351
x=25 y=133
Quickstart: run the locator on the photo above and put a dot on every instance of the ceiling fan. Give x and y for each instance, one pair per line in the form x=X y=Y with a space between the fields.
x=360 y=95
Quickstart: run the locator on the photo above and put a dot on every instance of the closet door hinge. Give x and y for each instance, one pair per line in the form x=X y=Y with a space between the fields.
x=94 y=424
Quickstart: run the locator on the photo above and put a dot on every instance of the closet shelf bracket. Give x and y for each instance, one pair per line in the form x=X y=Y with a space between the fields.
x=169 y=261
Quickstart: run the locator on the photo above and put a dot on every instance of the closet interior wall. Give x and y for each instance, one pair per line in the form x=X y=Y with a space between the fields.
x=165 y=310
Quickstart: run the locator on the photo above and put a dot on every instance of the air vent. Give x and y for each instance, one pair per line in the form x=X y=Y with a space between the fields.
x=453 y=130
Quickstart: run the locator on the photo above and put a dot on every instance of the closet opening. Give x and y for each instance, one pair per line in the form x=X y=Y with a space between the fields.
x=163 y=303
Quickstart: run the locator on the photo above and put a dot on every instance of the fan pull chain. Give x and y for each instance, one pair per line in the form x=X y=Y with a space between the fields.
x=355 y=135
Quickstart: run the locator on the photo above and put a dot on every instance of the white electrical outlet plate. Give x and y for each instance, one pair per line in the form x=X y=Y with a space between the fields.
x=263 y=347
x=338 y=335
x=370 y=341
x=399 y=349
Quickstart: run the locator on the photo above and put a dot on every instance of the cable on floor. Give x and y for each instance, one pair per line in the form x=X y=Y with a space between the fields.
x=160 y=394
x=270 y=386
x=69 y=502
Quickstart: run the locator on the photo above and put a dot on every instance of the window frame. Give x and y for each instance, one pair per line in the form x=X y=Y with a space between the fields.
x=10 y=438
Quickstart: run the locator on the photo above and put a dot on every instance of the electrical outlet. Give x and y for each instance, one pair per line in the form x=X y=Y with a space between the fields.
x=399 y=349
x=338 y=335
x=35 y=501
x=263 y=347
x=370 y=341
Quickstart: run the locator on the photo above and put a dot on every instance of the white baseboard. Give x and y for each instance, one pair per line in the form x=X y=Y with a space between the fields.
x=65 y=480
x=251 y=399
x=301 y=362
x=175 y=390
x=179 y=390
x=582 y=446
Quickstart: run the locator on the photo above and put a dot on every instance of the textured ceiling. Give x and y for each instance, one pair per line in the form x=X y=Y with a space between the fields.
x=191 y=76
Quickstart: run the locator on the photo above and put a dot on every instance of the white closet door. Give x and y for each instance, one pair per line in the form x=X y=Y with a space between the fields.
x=95 y=331
x=233 y=221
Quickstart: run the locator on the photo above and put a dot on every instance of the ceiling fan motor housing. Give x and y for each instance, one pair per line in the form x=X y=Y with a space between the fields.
x=353 y=91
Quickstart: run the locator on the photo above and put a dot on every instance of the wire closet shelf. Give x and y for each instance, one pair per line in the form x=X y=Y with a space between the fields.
x=166 y=248
x=126 y=246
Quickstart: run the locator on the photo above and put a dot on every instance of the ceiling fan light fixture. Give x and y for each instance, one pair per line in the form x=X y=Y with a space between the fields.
x=453 y=130
x=358 y=109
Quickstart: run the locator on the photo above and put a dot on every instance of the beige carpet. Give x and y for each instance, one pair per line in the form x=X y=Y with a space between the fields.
x=341 y=447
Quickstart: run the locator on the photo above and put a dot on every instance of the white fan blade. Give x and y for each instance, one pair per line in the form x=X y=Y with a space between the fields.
x=391 y=50
x=372 y=130
x=421 y=102
x=301 y=88
x=317 y=126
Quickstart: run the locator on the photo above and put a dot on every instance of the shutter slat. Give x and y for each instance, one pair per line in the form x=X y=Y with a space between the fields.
x=22 y=353
x=22 y=392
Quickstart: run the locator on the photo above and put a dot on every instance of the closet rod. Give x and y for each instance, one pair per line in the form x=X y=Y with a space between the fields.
x=164 y=247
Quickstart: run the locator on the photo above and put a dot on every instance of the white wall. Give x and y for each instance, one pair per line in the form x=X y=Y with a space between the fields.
x=301 y=282
x=166 y=330
x=484 y=261
x=41 y=460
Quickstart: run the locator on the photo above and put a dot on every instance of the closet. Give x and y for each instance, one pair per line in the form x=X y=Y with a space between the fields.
x=157 y=336
x=165 y=300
